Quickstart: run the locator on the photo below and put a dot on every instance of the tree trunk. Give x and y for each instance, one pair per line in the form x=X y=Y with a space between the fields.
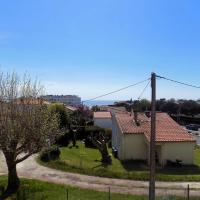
x=13 y=179
x=106 y=159
x=102 y=146
x=13 y=182
x=74 y=139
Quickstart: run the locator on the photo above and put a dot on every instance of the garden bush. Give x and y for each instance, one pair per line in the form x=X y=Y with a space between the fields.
x=50 y=154
x=64 y=140
x=94 y=131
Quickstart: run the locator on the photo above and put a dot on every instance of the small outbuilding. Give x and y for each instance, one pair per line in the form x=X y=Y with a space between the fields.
x=103 y=119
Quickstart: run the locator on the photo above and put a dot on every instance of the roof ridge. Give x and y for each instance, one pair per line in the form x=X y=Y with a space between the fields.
x=167 y=128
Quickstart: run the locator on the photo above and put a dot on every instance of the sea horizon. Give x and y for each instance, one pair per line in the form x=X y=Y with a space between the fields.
x=99 y=102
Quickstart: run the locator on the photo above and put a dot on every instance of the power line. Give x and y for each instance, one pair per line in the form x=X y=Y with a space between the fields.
x=182 y=83
x=115 y=91
x=144 y=90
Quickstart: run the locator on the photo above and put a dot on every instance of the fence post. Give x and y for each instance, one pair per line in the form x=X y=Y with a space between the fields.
x=81 y=164
x=67 y=194
x=18 y=195
x=109 y=193
x=2 y=190
x=188 y=192
x=24 y=194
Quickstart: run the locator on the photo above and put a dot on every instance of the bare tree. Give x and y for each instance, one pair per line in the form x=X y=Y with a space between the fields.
x=26 y=124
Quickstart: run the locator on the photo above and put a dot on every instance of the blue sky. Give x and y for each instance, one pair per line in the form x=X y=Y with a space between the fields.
x=92 y=47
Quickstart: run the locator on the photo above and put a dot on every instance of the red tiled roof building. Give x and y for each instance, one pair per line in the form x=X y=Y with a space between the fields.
x=131 y=137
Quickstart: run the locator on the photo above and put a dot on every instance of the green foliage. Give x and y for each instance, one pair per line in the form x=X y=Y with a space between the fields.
x=62 y=113
x=39 y=190
x=27 y=125
x=82 y=160
x=141 y=105
x=144 y=105
x=137 y=105
x=64 y=139
x=93 y=129
x=171 y=106
x=50 y=154
x=95 y=108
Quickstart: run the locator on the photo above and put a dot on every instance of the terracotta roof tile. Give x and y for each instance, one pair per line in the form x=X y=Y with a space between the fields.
x=167 y=130
x=102 y=115
x=31 y=101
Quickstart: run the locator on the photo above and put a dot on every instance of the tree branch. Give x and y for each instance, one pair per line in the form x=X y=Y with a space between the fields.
x=24 y=157
x=20 y=150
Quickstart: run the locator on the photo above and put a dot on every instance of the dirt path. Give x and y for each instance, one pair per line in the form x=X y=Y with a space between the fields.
x=32 y=170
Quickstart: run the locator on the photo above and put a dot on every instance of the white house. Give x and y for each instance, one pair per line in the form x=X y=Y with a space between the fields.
x=103 y=119
x=131 y=138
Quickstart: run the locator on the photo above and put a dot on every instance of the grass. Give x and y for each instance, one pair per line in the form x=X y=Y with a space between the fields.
x=38 y=190
x=87 y=161
x=197 y=156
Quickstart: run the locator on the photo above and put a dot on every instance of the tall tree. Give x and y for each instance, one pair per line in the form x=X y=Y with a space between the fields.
x=26 y=124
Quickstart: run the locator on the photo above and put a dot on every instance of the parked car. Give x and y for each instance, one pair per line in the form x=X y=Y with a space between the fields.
x=193 y=127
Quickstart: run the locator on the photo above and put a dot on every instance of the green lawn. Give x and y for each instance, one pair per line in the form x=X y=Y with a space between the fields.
x=197 y=157
x=87 y=161
x=38 y=190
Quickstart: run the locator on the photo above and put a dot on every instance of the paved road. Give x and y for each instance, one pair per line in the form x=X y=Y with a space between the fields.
x=32 y=170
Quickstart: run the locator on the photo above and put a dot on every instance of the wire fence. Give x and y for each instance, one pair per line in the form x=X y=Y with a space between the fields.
x=25 y=194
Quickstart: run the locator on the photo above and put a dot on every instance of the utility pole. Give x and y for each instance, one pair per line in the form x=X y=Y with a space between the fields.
x=153 y=139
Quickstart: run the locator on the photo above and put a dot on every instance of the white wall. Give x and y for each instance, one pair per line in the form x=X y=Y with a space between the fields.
x=117 y=136
x=134 y=147
x=178 y=150
x=129 y=146
x=104 y=123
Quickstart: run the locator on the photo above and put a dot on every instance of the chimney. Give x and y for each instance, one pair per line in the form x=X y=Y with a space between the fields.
x=148 y=114
x=131 y=113
x=136 y=118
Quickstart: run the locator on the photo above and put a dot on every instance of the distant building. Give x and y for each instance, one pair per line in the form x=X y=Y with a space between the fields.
x=31 y=101
x=103 y=119
x=72 y=100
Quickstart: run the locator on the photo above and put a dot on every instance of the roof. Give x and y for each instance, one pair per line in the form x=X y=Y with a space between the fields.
x=167 y=130
x=102 y=115
x=114 y=109
x=31 y=101
x=71 y=108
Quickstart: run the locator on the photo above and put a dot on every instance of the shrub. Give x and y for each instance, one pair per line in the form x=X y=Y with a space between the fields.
x=50 y=154
x=63 y=140
x=94 y=131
